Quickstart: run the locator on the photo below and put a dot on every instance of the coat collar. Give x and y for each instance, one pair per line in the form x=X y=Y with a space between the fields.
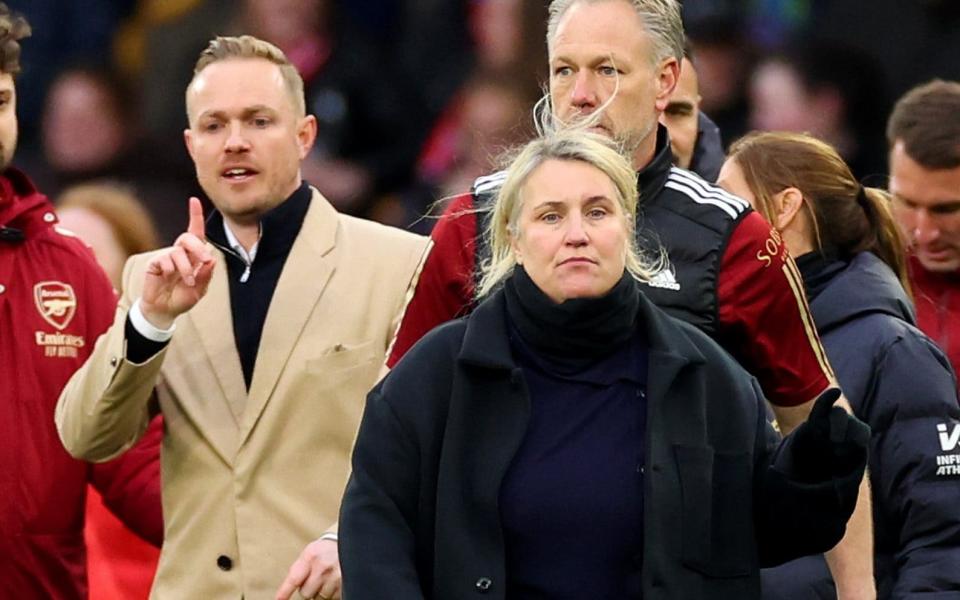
x=486 y=343
x=652 y=177
x=866 y=285
x=279 y=227
x=22 y=207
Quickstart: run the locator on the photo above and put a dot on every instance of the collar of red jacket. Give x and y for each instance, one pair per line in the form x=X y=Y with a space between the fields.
x=21 y=205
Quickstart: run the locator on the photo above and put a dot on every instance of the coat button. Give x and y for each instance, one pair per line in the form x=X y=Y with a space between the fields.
x=224 y=562
x=3 y=288
x=484 y=584
x=113 y=361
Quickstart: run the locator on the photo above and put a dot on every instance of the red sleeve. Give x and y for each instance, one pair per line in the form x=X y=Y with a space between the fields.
x=445 y=288
x=764 y=318
x=100 y=299
x=130 y=485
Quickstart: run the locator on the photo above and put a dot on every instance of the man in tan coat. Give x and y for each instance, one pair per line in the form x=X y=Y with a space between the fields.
x=283 y=311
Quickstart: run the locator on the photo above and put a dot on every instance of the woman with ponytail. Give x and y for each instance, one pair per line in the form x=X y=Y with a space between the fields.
x=850 y=257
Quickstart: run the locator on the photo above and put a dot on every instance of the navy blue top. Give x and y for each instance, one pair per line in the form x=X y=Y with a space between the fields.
x=571 y=503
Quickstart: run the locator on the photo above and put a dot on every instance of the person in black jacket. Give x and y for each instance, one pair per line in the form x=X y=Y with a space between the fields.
x=897 y=380
x=570 y=440
x=694 y=138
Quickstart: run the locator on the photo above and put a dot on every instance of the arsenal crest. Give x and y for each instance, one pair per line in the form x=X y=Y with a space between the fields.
x=56 y=302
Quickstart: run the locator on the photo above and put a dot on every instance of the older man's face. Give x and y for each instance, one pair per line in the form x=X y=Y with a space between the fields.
x=601 y=50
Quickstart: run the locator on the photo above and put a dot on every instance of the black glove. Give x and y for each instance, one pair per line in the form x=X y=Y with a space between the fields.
x=815 y=479
x=830 y=444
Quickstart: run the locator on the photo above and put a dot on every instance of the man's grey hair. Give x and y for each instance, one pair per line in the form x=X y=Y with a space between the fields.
x=660 y=17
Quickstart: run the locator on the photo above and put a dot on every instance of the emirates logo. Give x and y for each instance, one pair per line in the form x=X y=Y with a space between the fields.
x=56 y=302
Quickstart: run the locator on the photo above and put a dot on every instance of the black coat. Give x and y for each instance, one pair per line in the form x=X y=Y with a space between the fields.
x=420 y=518
x=901 y=384
x=708 y=154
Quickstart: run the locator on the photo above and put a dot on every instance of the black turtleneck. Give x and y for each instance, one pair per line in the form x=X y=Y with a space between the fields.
x=250 y=299
x=652 y=178
x=580 y=331
x=571 y=502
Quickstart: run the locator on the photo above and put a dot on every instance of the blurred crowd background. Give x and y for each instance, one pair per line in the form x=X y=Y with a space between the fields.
x=416 y=98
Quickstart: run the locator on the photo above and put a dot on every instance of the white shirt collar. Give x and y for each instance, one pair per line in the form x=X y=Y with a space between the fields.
x=237 y=247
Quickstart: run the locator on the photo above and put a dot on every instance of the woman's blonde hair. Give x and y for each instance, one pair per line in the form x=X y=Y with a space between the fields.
x=845 y=217
x=568 y=145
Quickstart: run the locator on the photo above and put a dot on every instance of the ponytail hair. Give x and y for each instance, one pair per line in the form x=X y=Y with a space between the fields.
x=846 y=218
x=886 y=241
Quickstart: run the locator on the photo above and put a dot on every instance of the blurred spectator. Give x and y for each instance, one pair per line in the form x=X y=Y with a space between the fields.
x=723 y=59
x=87 y=127
x=510 y=35
x=63 y=33
x=682 y=113
x=432 y=46
x=829 y=91
x=365 y=144
x=914 y=41
x=486 y=118
x=489 y=116
x=157 y=49
x=130 y=42
x=90 y=131
x=694 y=138
x=112 y=221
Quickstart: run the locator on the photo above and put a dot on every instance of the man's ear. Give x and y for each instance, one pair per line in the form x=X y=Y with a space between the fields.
x=787 y=205
x=306 y=134
x=667 y=77
x=188 y=140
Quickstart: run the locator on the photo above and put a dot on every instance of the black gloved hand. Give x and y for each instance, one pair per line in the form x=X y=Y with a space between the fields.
x=831 y=443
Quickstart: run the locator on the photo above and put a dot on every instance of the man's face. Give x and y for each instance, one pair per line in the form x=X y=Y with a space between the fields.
x=8 y=119
x=245 y=137
x=682 y=114
x=601 y=48
x=926 y=205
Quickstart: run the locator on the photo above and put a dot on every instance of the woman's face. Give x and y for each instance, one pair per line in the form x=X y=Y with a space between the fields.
x=572 y=237
x=98 y=234
x=731 y=179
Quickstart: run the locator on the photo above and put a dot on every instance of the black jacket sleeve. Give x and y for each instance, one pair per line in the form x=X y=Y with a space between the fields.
x=378 y=514
x=916 y=466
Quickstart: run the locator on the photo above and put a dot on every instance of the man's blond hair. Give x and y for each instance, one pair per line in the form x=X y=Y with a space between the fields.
x=246 y=46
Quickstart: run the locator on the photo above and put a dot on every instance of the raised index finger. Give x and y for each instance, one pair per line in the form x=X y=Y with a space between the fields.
x=195 y=226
